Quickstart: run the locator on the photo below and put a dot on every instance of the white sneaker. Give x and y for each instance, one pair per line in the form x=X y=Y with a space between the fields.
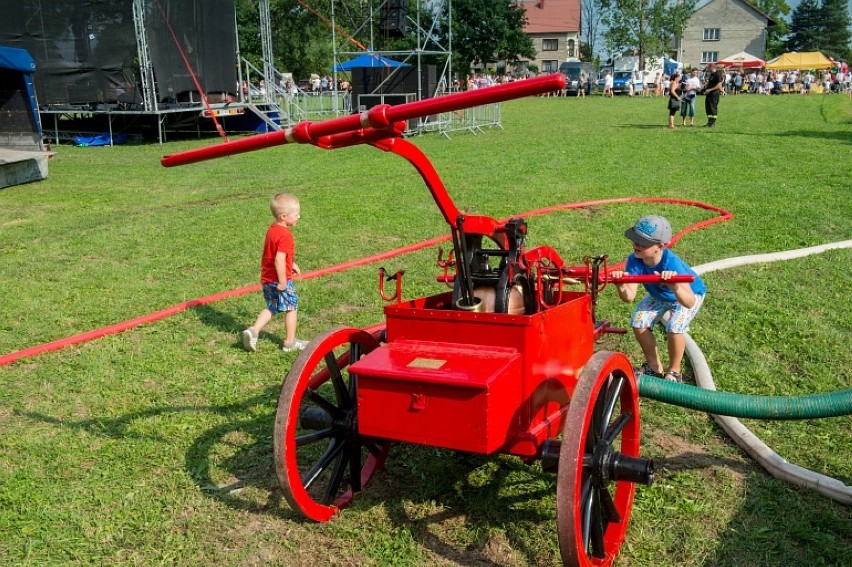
x=297 y=345
x=249 y=340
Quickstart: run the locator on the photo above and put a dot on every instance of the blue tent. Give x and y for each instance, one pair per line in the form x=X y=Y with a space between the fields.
x=670 y=66
x=16 y=75
x=368 y=60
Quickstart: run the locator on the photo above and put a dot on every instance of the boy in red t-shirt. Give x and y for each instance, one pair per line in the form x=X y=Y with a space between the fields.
x=276 y=271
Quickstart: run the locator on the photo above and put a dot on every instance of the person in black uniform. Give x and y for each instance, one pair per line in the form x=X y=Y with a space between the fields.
x=712 y=92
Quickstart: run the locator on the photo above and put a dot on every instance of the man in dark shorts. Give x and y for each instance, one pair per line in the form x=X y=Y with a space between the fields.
x=712 y=92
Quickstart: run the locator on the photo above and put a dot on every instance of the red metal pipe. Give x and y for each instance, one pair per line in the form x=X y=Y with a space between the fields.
x=379 y=117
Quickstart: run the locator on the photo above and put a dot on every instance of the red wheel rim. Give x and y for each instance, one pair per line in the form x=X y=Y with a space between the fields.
x=592 y=511
x=320 y=459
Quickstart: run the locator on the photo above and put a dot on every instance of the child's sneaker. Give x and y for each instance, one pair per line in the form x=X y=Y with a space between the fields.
x=297 y=345
x=249 y=340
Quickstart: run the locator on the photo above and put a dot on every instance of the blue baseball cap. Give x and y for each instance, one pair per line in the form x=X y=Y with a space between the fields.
x=650 y=230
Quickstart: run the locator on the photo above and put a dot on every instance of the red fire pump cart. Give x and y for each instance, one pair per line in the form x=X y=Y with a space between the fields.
x=505 y=362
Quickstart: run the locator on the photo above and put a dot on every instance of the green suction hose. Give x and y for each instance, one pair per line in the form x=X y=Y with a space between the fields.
x=812 y=406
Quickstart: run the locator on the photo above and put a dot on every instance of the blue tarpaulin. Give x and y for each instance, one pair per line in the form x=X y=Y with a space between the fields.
x=100 y=140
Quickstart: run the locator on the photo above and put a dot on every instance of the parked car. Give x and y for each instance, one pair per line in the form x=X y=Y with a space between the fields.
x=621 y=82
x=572 y=71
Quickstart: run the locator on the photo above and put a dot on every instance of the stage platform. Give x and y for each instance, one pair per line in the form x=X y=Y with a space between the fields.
x=22 y=166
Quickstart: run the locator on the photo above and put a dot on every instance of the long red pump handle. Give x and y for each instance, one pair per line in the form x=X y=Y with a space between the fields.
x=652 y=279
x=381 y=117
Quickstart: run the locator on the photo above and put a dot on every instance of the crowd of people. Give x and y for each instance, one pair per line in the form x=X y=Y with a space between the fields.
x=802 y=81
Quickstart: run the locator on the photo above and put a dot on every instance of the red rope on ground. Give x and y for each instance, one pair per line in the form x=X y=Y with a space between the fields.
x=175 y=309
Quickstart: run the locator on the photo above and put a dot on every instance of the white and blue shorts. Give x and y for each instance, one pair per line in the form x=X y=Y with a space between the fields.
x=651 y=311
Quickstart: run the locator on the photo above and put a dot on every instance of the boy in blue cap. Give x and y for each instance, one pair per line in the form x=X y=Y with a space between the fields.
x=650 y=236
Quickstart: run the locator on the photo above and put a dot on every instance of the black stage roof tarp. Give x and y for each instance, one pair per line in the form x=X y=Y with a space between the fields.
x=86 y=50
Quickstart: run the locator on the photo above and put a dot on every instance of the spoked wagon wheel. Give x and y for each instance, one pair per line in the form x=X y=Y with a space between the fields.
x=599 y=462
x=320 y=459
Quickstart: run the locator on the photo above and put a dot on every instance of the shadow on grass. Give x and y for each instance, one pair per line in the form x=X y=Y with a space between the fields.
x=839 y=136
x=238 y=451
x=216 y=319
x=778 y=524
x=503 y=508
x=226 y=323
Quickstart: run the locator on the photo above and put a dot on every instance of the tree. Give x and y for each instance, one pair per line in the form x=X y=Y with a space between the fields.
x=777 y=10
x=805 y=27
x=821 y=28
x=591 y=21
x=646 y=25
x=487 y=31
x=834 y=41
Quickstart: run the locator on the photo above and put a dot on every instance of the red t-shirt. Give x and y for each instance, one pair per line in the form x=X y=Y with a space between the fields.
x=278 y=239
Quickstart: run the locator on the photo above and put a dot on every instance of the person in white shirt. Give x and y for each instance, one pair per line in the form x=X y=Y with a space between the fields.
x=690 y=89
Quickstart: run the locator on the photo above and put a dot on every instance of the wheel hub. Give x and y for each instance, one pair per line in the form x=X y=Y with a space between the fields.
x=607 y=465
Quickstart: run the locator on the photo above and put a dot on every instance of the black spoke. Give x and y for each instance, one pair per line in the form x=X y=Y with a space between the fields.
x=332 y=452
x=335 y=480
x=586 y=507
x=595 y=428
x=597 y=529
x=615 y=429
x=329 y=407
x=354 y=356
x=355 y=467
x=314 y=436
x=340 y=388
x=611 y=399
x=611 y=511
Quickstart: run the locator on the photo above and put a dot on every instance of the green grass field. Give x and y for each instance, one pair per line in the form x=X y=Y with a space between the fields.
x=154 y=446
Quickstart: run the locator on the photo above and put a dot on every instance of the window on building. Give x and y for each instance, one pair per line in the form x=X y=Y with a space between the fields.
x=549 y=44
x=571 y=48
x=709 y=56
x=549 y=66
x=711 y=34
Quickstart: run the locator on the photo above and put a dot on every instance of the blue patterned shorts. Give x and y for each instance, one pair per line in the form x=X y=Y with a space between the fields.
x=279 y=301
x=651 y=311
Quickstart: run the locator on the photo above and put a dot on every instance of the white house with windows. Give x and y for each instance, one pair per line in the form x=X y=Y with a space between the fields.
x=554 y=26
x=721 y=28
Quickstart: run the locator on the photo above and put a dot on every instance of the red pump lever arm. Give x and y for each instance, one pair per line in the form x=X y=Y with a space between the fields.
x=380 y=117
x=652 y=279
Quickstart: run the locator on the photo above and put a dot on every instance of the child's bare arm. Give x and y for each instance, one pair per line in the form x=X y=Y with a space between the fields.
x=281 y=269
x=682 y=291
x=626 y=291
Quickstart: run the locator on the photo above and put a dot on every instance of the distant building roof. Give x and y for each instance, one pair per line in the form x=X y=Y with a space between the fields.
x=769 y=21
x=555 y=16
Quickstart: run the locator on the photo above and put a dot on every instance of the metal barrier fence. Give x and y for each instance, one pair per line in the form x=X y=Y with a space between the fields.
x=471 y=120
x=301 y=106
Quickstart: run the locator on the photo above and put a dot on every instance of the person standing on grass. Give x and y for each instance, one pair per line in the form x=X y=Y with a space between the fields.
x=276 y=270
x=712 y=93
x=651 y=256
x=689 y=89
x=674 y=98
x=607 y=90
